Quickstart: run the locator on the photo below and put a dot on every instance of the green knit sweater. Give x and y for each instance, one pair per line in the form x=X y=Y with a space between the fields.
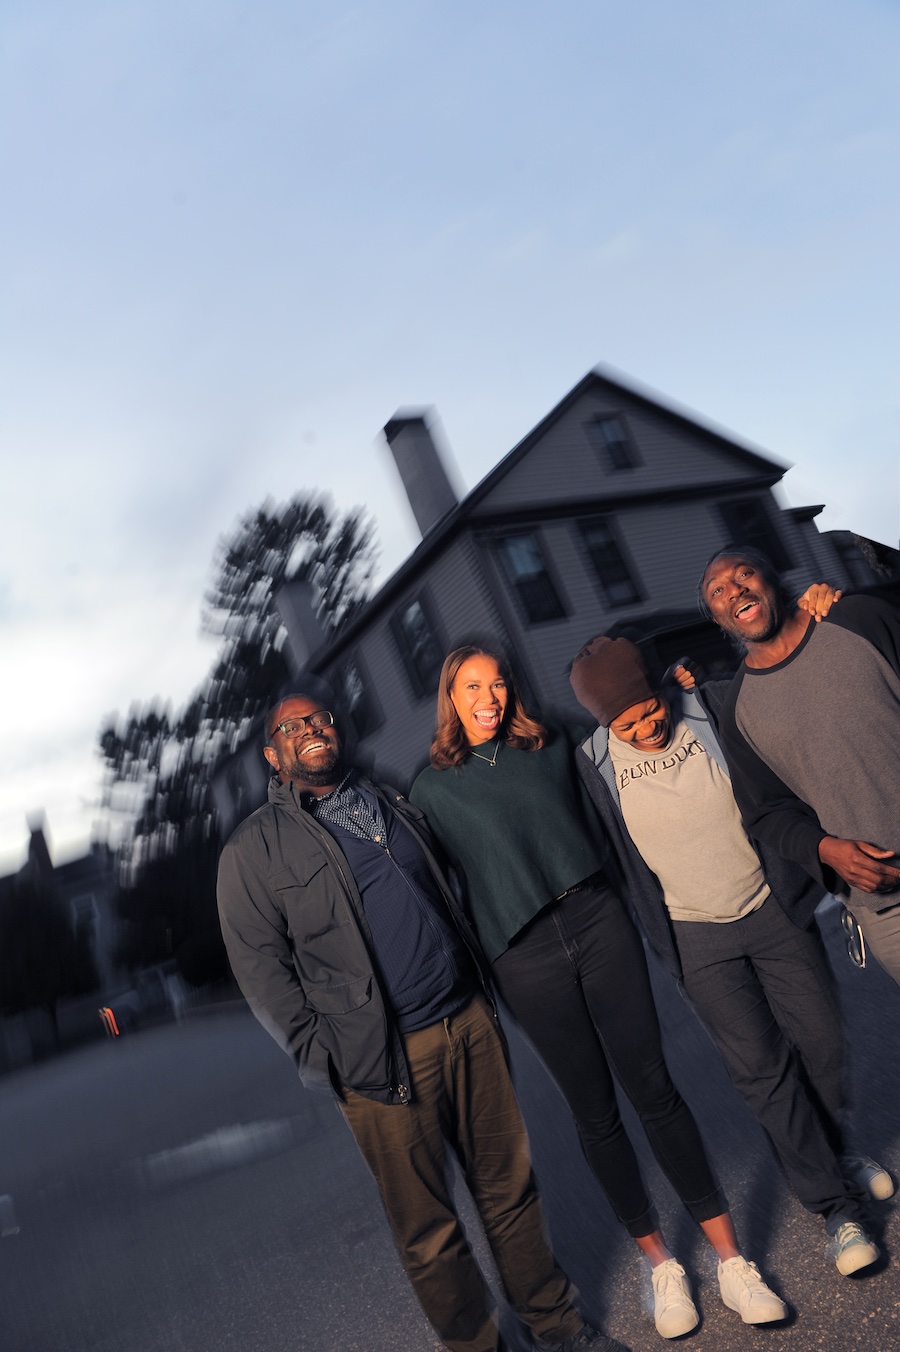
x=519 y=832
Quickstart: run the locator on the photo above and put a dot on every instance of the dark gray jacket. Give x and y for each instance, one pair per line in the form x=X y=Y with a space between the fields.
x=791 y=886
x=300 y=948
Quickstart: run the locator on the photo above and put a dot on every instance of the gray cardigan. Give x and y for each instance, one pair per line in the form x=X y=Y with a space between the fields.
x=792 y=887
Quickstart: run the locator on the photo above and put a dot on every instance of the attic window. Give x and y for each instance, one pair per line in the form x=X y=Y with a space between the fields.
x=609 y=437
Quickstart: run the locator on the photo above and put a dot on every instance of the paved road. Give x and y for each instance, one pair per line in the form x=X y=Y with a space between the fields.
x=177 y=1192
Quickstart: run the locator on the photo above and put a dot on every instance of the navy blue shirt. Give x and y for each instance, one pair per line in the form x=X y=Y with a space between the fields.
x=424 y=964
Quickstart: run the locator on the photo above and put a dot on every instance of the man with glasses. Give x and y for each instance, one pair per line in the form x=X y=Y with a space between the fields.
x=352 y=952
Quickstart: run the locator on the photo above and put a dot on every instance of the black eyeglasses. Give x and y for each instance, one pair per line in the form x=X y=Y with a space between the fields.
x=856 y=944
x=294 y=726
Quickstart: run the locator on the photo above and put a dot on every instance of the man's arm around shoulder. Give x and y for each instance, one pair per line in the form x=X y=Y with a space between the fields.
x=873 y=618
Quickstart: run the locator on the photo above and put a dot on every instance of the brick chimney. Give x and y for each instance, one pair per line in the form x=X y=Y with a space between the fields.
x=431 y=495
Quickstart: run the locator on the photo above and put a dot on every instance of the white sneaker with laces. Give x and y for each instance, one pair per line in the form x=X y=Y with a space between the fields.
x=742 y=1289
x=674 y=1312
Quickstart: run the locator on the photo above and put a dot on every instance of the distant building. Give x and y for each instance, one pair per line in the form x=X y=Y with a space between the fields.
x=84 y=890
x=599 y=520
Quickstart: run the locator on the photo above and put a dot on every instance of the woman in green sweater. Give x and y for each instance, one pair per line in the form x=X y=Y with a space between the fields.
x=502 y=797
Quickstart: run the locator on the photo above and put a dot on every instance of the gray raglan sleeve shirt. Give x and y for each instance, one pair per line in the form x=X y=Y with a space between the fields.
x=773 y=812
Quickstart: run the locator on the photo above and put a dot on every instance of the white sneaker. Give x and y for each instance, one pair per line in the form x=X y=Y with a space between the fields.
x=869 y=1177
x=673 y=1310
x=742 y=1289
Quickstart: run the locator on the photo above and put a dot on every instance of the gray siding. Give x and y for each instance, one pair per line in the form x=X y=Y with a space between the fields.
x=564 y=462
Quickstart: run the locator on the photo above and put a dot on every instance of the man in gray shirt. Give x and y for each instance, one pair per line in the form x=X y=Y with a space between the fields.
x=732 y=922
x=811 y=726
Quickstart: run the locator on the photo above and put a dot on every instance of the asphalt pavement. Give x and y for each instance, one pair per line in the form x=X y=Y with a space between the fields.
x=176 y=1191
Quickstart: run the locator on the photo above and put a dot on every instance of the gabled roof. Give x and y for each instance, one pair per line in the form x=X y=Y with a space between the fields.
x=602 y=378
x=766 y=470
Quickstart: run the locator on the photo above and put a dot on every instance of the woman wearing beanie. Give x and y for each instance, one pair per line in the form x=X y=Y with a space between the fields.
x=502 y=797
x=733 y=922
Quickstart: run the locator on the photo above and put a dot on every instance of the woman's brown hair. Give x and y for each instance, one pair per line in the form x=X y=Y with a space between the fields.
x=519 y=729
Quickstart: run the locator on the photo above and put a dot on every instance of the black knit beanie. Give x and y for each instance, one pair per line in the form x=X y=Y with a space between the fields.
x=608 y=676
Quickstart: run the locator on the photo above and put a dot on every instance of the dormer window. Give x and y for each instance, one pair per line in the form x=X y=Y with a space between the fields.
x=609 y=437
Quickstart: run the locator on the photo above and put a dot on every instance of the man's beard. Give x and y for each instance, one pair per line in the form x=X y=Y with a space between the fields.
x=327 y=771
x=768 y=625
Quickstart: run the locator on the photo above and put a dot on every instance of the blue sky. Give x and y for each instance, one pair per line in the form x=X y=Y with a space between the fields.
x=238 y=237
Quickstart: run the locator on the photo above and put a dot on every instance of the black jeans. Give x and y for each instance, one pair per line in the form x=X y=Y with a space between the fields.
x=765 y=991
x=576 y=980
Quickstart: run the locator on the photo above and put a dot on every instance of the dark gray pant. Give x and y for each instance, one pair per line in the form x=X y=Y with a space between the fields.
x=765 y=991
x=463 y=1102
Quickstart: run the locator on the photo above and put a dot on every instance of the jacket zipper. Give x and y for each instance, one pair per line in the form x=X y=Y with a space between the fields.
x=451 y=909
x=401 y=1090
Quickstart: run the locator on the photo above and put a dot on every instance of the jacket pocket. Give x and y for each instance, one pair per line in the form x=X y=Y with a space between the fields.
x=316 y=915
x=341 y=999
x=301 y=873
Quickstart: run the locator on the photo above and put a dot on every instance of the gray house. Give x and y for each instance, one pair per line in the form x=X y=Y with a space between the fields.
x=599 y=520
